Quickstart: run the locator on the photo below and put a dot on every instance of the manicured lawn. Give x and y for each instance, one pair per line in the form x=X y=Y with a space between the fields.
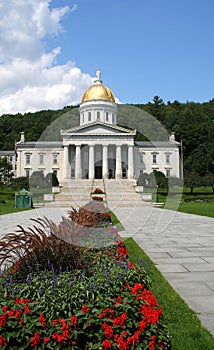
x=185 y=328
x=7 y=195
x=204 y=208
x=116 y=222
x=176 y=201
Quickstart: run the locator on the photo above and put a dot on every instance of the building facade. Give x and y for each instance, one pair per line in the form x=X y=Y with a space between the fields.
x=98 y=148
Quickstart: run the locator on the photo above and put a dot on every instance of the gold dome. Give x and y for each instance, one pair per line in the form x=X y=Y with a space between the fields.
x=98 y=91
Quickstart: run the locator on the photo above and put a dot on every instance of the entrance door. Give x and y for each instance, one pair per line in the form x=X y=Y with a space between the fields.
x=98 y=172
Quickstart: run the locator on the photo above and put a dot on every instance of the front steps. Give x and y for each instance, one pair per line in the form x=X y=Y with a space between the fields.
x=75 y=193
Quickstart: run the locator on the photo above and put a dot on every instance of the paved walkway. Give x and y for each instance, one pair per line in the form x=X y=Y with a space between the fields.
x=181 y=245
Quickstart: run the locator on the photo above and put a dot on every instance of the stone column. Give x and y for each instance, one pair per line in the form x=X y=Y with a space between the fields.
x=130 y=162
x=65 y=162
x=91 y=162
x=78 y=167
x=118 y=163
x=105 y=162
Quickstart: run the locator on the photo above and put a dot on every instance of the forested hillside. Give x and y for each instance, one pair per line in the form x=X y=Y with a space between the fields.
x=193 y=123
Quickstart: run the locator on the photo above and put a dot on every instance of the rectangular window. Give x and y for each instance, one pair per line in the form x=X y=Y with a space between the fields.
x=89 y=116
x=41 y=159
x=167 y=172
x=27 y=173
x=107 y=116
x=141 y=158
x=167 y=158
x=55 y=160
x=98 y=115
x=154 y=158
x=27 y=159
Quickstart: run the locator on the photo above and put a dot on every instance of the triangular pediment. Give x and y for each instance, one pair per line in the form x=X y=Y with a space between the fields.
x=97 y=128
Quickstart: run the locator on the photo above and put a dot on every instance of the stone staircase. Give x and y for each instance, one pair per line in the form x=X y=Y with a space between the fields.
x=122 y=192
x=76 y=193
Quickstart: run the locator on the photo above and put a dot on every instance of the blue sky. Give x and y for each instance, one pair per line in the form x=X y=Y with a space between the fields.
x=143 y=48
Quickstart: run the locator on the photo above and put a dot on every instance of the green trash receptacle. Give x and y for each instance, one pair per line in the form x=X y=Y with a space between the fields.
x=23 y=199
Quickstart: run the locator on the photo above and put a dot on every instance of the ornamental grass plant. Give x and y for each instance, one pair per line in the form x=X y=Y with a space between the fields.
x=55 y=294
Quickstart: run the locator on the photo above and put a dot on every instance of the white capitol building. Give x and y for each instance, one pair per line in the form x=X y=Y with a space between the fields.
x=98 y=148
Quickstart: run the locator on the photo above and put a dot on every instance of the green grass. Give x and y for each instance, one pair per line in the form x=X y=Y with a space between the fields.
x=116 y=222
x=183 y=324
x=176 y=201
x=8 y=195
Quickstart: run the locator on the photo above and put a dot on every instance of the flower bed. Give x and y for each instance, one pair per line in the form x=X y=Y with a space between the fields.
x=97 y=198
x=57 y=295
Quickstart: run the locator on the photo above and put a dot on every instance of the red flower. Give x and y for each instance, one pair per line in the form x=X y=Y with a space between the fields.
x=21 y=301
x=136 y=288
x=106 y=344
x=108 y=330
x=121 y=343
x=3 y=320
x=18 y=313
x=120 y=320
x=4 y=309
x=106 y=312
x=47 y=340
x=130 y=265
x=73 y=321
x=61 y=338
x=2 y=341
x=35 y=339
x=11 y=313
x=27 y=310
x=85 y=308
x=134 y=338
x=152 y=343
x=42 y=320
x=21 y=322
x=54 y=322
x=142 y=325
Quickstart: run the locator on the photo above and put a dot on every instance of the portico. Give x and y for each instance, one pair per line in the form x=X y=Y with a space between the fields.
x=109 y=156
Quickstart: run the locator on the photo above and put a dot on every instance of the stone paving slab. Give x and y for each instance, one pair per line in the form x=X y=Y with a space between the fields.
x=182 y=247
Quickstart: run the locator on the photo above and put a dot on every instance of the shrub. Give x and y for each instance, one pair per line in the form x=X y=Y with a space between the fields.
x=33 y=251
x=97 y=191
x=84 y=217
x=96 y=198
x=20 y=183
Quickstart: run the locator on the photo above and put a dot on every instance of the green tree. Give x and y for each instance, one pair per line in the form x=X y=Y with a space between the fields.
x=20 y=183
x=37 y=180
x=51 y=180
x=192 y=180
x=5 y=170
x=208 y=180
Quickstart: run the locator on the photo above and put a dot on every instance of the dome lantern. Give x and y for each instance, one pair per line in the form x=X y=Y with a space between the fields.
x=98 y=104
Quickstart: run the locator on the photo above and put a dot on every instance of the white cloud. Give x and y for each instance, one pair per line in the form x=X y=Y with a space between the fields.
x=37 y=85
x=30 y=80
